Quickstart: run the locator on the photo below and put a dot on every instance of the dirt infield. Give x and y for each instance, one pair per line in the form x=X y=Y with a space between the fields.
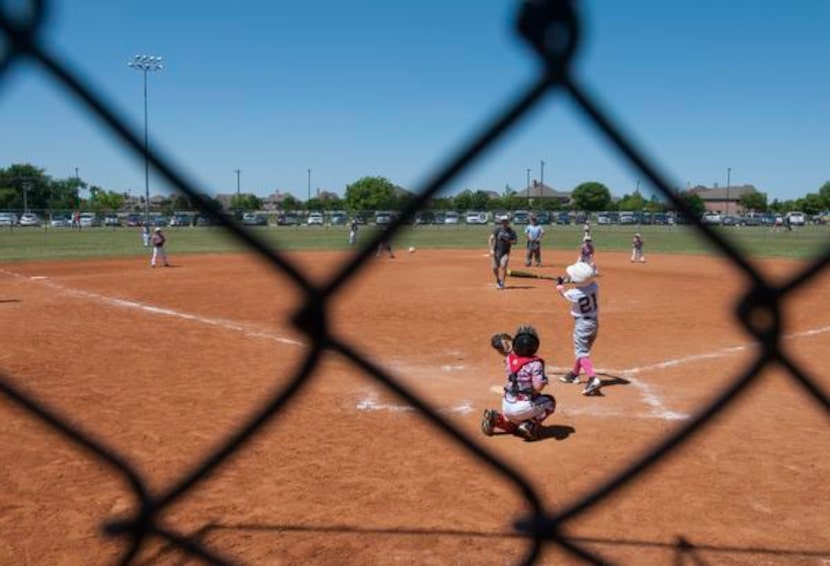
x=163 y=364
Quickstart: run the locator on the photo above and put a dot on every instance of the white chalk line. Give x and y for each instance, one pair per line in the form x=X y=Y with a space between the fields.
x=649 y=397
x=129 y=304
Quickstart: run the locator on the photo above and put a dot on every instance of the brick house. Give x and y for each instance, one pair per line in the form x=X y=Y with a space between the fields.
x=725 y=200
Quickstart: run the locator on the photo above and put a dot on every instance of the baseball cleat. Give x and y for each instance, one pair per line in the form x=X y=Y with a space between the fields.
x=592 y=388
x=488 y=422
x=569 y=377
x=528 y=430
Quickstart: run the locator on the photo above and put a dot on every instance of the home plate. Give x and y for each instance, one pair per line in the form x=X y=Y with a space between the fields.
x=38 y=277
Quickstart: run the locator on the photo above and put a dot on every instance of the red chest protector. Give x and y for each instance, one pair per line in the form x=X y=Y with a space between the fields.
x=516 y=362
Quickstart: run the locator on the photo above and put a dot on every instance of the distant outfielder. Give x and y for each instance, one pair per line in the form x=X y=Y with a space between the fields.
x=583 y=298
x=523 y=406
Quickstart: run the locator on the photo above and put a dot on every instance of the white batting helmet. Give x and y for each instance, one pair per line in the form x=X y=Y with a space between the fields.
x=580 y=272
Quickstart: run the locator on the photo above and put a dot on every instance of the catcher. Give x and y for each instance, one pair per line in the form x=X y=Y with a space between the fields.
x=523 y=406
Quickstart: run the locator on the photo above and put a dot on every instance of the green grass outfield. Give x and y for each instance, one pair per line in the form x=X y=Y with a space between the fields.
x=24 y=244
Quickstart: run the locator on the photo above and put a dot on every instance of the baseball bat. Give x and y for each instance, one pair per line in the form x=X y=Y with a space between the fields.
x=531 y=275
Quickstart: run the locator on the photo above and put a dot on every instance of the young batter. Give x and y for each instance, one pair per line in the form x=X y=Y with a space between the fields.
x=583 y=298
x=523 y=407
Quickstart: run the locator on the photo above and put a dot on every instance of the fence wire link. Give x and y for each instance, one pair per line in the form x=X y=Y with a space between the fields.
x=551 y=28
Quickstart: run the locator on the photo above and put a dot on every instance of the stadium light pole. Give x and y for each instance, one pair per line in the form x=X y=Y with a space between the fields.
x=146 y=64
x=728 y=182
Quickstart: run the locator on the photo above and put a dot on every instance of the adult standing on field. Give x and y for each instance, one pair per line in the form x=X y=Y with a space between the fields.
x=534 y=233
x=353 y=232
x=500 y=242
x=158 y=240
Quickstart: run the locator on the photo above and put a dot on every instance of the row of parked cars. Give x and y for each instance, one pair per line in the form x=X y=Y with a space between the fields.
x=793 y=218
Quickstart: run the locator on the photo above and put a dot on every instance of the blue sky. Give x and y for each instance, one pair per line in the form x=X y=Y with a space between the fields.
x=373 y=87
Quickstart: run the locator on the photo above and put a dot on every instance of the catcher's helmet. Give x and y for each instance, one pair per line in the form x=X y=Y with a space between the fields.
x=526 y=341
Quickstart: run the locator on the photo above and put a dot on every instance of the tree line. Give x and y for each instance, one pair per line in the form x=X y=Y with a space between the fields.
x=25 y=186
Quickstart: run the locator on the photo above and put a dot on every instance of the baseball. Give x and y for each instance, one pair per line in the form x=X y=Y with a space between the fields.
x=412 y=249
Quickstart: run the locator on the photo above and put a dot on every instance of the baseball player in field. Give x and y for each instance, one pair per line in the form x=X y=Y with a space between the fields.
x=523 y=406
x=583 y=297
x=637 y=249
x=500 y=242
x=158 y=240
x=586 y=252
x=534 y=233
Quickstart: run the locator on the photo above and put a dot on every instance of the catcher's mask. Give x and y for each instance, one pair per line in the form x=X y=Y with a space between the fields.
x=526 y=341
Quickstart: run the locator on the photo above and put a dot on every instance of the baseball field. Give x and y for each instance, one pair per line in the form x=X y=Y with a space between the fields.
x=160 y=367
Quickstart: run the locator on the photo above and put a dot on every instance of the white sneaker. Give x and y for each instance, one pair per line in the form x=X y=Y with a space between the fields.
x=592 y=388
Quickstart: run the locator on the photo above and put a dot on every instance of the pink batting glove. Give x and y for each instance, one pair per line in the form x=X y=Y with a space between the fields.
x=560 y=288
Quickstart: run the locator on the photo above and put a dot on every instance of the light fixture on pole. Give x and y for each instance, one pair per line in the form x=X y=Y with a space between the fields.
x=145 y=64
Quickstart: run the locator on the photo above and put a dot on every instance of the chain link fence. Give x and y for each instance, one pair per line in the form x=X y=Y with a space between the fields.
x=552 y=28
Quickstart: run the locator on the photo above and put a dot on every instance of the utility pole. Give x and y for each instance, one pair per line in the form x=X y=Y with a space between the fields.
x=528 y=186
x=238 y=172
x=728 y=182
x=309 y=187
x=542 y=178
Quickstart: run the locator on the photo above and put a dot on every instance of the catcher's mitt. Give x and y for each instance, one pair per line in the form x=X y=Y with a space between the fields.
x=502 y=342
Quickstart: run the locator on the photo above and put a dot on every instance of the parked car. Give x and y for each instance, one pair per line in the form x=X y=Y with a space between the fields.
x=475 y=217
x=60 y=221
x=426 y=217
x=796 y=218
x=112 y=220
x=628 y=218
x=288 y=219
x=659 y=218
x=543 y=217
x=8 y=219
x=181 y=220
x=30 y=219
x=315 y=219
x=134 y=220
x=254 y=219
x=563 y=218
x=729 y=220
x=203 y=220
x=452 y=217
x=711 y=218
x=750 y=220
x=383 y=218
x=521 y=217
x=603 y=219
x=500 y=215
x=88 y=220
x=338 y=218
